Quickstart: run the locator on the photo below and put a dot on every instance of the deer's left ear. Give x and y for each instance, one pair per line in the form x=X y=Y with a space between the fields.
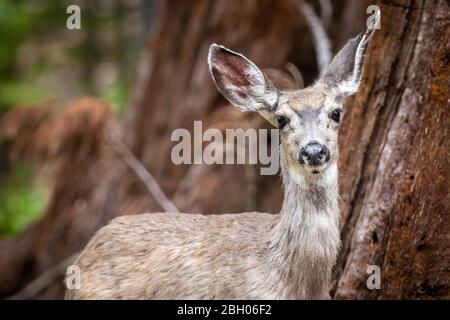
x=345 y=70
x=240 y=80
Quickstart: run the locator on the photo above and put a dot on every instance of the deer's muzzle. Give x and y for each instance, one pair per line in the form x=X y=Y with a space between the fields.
x=314 y=154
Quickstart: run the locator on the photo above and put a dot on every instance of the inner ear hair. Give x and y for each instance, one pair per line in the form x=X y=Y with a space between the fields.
x=240 y=81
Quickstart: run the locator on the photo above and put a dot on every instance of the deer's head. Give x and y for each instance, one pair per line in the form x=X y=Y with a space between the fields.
x=308 y=118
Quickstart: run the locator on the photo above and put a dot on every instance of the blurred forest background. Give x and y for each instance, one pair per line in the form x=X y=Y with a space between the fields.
x=41 y=60
x=138 y=69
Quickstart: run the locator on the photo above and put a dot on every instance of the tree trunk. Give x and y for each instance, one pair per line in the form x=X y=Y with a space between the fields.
x=395 y=160
x=395 y=192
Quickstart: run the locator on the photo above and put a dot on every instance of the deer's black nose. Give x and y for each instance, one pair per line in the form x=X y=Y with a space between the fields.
x=314 y=154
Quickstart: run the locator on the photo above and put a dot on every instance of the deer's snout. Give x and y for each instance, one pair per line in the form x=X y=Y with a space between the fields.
x=314 y=154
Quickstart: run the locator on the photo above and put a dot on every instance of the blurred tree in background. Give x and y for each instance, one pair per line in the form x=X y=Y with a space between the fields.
x=41 y=59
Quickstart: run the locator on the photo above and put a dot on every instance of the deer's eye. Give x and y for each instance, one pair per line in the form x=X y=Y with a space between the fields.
x=281 y=121
x=336 y=115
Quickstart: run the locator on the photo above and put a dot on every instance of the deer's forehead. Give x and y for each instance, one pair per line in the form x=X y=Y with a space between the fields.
x=306 y=101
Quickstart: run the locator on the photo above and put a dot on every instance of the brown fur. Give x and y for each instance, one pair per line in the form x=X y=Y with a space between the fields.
x=248 y=255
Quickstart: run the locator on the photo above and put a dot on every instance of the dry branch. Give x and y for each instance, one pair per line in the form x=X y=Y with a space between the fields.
x=145 y=176
x=45 y=279
x=321 y=41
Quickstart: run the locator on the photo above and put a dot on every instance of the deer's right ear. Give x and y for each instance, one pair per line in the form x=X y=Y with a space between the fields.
x=240 y=81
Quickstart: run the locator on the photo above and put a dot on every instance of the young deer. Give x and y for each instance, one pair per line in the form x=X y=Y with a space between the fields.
x=249 y=255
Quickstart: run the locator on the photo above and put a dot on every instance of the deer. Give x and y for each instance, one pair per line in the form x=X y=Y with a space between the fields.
x=248 y=255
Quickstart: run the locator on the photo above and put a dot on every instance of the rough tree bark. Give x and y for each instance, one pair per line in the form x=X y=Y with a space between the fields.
x=394 y=144
x=395 y=159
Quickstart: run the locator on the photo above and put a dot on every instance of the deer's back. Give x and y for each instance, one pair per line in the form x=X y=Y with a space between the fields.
x=166 y=256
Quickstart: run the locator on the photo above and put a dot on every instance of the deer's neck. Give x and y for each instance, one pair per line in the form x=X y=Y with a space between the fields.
x=305 y=242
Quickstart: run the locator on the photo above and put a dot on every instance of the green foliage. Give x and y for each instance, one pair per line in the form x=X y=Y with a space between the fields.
x=20 y=21
x=17 y=93
x=22 y=200
x=117 y=95
x=40 y=59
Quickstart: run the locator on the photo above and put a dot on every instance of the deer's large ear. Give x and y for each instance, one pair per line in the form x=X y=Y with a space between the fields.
x=240 y=80
x=345 y=70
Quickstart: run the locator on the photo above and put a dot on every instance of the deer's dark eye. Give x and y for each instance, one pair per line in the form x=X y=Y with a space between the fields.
x=282 y=121
x=336 y=115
